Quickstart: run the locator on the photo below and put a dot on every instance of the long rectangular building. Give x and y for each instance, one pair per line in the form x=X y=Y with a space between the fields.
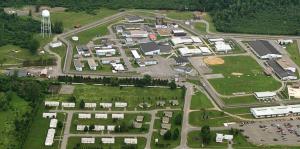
x=264 y=50
x=281 y=72
x=276 y=111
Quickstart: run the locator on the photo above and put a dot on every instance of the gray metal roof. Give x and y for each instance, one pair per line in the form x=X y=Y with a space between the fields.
x=280 y=72
x=263 y=47
x=181 y=59
x=149 y=46
x=82 y=48
x=165 y=48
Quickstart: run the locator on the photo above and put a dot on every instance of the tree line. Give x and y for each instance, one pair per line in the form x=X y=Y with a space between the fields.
x=114 y=81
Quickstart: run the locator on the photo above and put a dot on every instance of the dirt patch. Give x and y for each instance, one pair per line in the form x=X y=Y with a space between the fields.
x=212 y=60
x=66 y=89
x=237 y=74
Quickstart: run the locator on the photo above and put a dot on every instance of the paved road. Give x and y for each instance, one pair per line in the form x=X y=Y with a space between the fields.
x=67 y=129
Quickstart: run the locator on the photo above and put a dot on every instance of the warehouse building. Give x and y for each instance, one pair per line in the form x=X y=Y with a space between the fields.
x=280 y=72
x=264 y=50
x=265 y=96
x=276 y=111
x=150 y=48
x=134 y=19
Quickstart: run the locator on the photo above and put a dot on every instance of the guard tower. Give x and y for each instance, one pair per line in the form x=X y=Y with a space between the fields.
x=46 y=24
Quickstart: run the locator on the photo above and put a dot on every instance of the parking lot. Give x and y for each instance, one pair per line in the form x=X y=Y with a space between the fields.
x=273 y=132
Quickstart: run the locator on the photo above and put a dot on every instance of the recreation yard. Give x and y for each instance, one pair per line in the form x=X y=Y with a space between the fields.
x=132 y=95
x=242 y=74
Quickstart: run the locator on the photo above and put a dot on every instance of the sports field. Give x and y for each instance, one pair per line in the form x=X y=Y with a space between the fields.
x=241 y=74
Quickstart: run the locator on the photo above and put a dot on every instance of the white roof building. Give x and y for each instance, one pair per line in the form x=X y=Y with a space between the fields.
x=181 y=40
x=108 y=140
x=52 y=103
x=118 y=67
x=81 y=127
x=68 y=104
x=215 y=39
x=205 y=50
x=222 y=46
x=111 y=127
x=196 y=39
x=265 y=95
x=220 y=137
x=50 y=137
x=99 y=128
x=104 y=52
x=49 y=115
x=118 y=116
x=189 y=52
x=120 y=104
x=84 y=116
x=56 y=44
x=130 y=140
x=90 y=105
x=53 y=123
x=135 y=54
x=88 y=140
x=101 y=115
x=275 y=111
x=106 y=105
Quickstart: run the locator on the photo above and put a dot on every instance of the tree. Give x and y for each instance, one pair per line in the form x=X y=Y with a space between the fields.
x=124 y=127
x=92 y=127
x=4 y=103
x=58 y=27
x=72 y=99
x=172 y=85
x=33 y=45
x=59 y=124
x=30 y=13
x=86 y=128
x=167 y=135
x=81 y=104
x=175 y=134
x=2 y=61
x=205 y=134
x=178 y=119
x=37 y=8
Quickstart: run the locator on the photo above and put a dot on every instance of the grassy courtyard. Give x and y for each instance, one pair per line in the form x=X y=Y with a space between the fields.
x=293 y=51
x=200 y=101
x=132 y=95
x=74 y=142
x=242 y=74
x=212 y=118
x=80 y=18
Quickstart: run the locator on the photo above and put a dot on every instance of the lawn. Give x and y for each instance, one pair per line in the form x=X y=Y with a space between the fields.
x=293 y=51
x=201 y=27
x=88 y=35
x=241 y=74
x=61 y=51
x=240 y=100
x=38 y=132
x=70 y=18
x=132 y=95
x=162 y=143
x=180 y=15
x=128 y=120
x=212 y=118
x=195 y=141
x=200 y=101
x=73 y=142
x=208 y=18
x=18 y=107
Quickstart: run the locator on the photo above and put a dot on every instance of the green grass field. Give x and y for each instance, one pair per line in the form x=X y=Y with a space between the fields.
x=128 y=120
x=250 y=79
x=195 y=141
x=162 y=143
x=240 y=100
x=293 y=51
x=201 y=27
x=73 y=142
x=180 y=15
x=132 y=95
x=200 y=101
x=214 y=118
x=88 y=35
x=7 y=118
x=38 y=132
x=70 y=18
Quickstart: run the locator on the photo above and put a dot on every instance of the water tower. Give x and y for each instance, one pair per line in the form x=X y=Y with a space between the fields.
x=46 y=24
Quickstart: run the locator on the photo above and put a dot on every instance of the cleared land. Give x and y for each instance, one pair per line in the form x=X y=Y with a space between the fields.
x=71 y=19
x=293 y=51
x=18 y=107
x=132 y=95
x=200 y=101
x=250 y=79
x=212 y=118
x=75 y=142
x=180 y=15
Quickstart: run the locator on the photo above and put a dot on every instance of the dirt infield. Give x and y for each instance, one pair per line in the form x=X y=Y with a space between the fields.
x=213 y=60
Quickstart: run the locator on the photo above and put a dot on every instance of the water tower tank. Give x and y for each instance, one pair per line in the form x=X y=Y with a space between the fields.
x=45 y=13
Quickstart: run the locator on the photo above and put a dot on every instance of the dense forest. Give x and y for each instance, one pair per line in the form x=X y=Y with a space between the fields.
x=18 y=31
